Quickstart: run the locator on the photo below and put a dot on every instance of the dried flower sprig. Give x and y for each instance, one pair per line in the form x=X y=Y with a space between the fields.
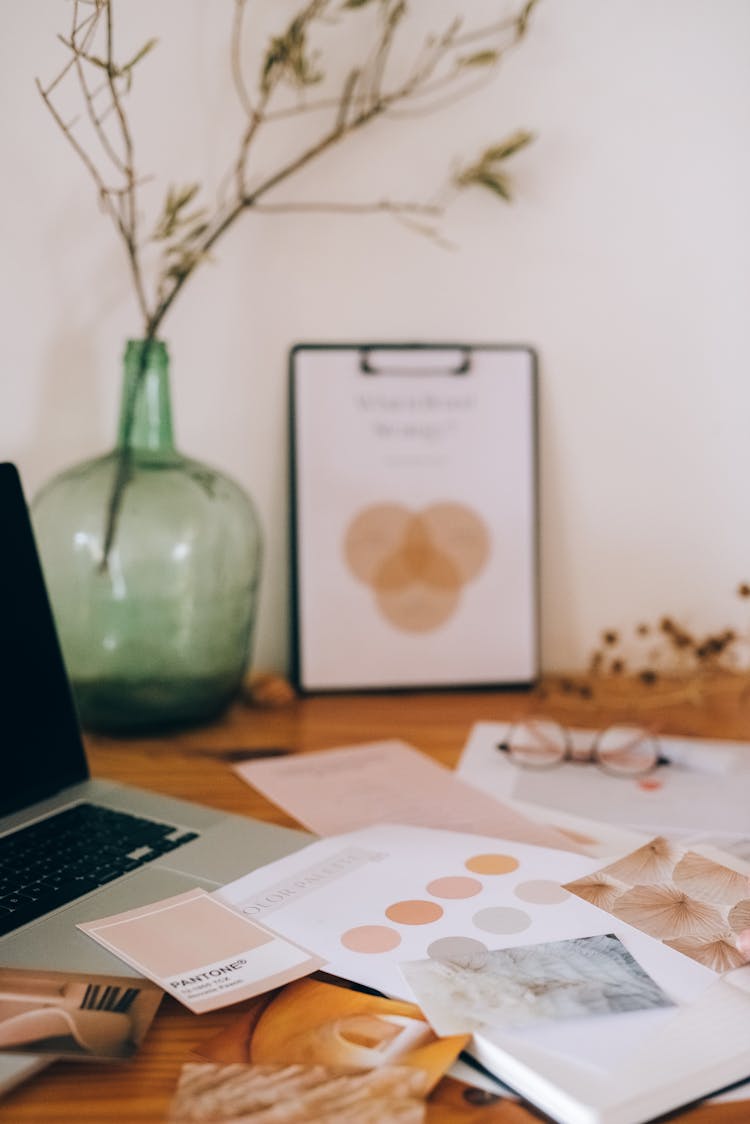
x=446 y=65
x=661 y=653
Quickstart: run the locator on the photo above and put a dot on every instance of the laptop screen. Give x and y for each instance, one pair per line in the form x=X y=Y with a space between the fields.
x=41 y=749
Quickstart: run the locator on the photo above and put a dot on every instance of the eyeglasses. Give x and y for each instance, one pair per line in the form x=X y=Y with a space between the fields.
x=623 y=751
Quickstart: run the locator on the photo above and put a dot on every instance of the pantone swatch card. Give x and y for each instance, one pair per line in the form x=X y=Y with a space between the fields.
x=201 y=951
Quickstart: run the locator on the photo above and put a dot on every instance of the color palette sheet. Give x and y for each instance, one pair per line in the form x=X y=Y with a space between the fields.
x=369 y=900
x=200 y=951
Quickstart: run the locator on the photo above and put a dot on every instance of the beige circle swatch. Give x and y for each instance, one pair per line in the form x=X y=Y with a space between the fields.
x=417 y=562
x=454 y=886
x=501 y=919
x=541 y=891
x=371 y=938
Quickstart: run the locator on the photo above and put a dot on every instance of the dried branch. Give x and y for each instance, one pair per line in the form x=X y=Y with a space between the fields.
x=187 y=229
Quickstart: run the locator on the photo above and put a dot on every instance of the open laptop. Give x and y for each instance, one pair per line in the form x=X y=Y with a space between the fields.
x=48 y=800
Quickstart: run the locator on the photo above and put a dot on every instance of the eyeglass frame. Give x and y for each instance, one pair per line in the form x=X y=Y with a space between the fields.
x=572 y=756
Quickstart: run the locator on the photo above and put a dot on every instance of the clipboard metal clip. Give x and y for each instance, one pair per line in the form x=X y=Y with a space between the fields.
x=418 y=359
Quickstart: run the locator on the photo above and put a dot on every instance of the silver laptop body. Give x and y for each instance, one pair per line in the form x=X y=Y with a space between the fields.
x=43 y=769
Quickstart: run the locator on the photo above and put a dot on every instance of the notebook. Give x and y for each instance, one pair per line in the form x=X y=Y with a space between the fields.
x=585 y=1016
x=125 y=846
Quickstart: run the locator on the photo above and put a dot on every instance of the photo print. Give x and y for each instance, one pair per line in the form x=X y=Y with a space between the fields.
x=210 y=1093
x=312 y=1022
x=693 y=904
x=72 y=1014
x=518 y=988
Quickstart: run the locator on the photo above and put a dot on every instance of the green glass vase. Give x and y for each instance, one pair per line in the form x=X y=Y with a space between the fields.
x=153 y=580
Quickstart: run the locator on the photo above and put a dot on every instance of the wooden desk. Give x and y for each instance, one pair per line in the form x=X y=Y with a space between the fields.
x=194 y=765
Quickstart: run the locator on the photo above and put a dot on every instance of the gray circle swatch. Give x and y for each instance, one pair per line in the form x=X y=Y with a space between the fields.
x=463 y=952
x=501 y=919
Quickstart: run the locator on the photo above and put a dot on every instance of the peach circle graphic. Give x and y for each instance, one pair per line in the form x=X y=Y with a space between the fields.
x=501 y=919
x=416 y=563
x=371 y=938
x=463 y=952
x=491 y=864
x=414 y=912
x=461 y=535
x=374 y=534
x=417 y=608
x=454 y=887
x=541 y=891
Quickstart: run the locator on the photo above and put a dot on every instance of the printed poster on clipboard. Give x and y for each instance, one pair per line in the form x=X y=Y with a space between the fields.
x=414 y=522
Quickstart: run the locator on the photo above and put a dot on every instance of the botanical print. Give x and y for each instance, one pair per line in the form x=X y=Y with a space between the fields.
x=691 y=903
x=292 y=1094
x=521 y=987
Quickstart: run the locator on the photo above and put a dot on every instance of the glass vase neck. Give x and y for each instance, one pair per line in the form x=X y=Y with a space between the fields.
x=146 y=408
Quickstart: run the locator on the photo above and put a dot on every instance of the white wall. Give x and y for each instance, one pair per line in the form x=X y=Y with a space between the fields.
x=625 y=260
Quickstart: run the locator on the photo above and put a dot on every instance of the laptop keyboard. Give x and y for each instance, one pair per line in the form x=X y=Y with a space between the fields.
x=60 y=858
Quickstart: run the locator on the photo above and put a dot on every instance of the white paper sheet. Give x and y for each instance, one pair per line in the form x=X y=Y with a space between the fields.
x=368 y=900
x=710 y=788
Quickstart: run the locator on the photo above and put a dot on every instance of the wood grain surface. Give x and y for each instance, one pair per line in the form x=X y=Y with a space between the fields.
x=195 y=764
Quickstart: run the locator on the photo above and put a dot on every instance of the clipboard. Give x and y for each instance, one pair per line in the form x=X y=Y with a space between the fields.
x=413 y=477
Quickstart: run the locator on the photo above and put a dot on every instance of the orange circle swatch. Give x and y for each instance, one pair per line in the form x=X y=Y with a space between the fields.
x=414 y=912
x=491 y=864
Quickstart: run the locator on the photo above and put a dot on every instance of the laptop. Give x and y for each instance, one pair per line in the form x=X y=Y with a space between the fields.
x=125 y=846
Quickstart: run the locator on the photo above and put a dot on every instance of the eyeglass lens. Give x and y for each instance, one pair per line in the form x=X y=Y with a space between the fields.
x=626 y=750
x=538 y=742
x=542 y=743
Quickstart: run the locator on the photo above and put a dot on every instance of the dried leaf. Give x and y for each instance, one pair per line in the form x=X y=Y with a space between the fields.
x=96 y=61
x=493 y=182
x=480 y=58
x=172 y=218
x=506 y=148
x=148 y=46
